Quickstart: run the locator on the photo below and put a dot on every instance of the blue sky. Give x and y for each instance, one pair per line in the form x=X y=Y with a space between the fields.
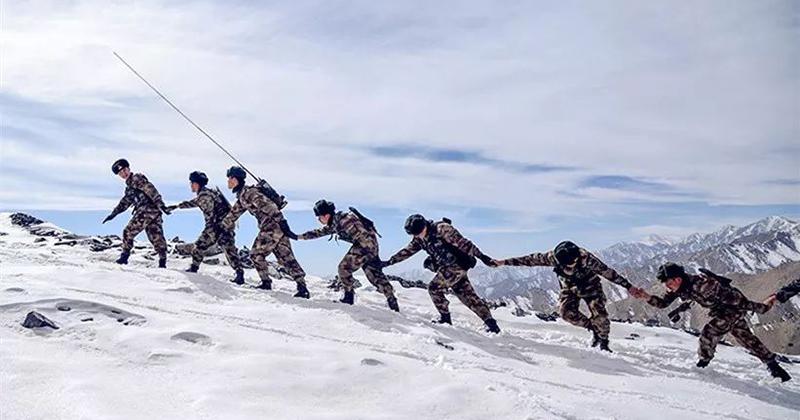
x=525 y=122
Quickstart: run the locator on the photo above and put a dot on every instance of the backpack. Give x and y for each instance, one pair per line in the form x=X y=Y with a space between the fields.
x=369 y=224
x=273 y=195
x=463 y=259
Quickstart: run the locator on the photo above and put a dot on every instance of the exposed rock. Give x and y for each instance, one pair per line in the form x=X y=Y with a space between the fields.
x=36 y=320
x=25 y=220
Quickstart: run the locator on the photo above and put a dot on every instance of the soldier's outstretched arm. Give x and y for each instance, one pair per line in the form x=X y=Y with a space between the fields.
x=608 y=273
x=188 y=204
x=659 y=301
x=412 y=248
x=537 y=259
x=316 y=233
x=730 y=296
x=124 y=203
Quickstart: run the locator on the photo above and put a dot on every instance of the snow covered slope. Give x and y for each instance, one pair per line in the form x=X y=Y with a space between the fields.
x=139 y=342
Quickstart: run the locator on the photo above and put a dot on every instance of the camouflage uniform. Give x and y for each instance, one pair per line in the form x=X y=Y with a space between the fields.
x=362 y=254
x=451 y=273
x=582 y=283
x=214 y=207
x=147 y=204
x=271 y=239
x=788 y=291
x=728 y=307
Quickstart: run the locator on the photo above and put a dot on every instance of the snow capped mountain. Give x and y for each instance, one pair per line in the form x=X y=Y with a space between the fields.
x=756 y=247
x=749 y=249
x=139 y=342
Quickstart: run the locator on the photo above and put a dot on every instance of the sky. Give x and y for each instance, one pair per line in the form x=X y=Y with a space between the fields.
x=524 y=122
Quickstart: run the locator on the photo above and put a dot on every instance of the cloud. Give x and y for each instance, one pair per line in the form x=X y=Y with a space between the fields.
x=539 y=113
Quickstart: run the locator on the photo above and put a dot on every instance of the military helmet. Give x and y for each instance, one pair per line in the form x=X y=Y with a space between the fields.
x=323 y=207
x=119 y=165
x=199 y=178
x=236 y=172
x=670 y=270
x=566 y=253
x=415 y=224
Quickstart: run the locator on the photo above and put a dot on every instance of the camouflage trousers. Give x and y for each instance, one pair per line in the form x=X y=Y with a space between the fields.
x=569 y=308
x=274 y=241
x=363 y=257
x=150 y=222
x=216 y=235
x=455 y=278
x=736 y=325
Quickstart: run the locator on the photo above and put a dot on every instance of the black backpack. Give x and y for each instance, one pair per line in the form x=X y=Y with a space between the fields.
x=273 y=195
x=369 y=224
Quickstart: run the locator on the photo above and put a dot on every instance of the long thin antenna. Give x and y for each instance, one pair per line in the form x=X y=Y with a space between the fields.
x=184 y=115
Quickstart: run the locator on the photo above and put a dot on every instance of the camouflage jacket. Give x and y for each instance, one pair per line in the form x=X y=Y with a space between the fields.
x=252 y=199
x=586 y=272
x=788 y=291
x=710 y=293
x=347 y=227
x=141 y=194
x=211 y=202
x=438 y=243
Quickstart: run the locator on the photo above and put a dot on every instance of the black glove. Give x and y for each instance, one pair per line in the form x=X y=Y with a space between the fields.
x=489 y=261
x=287 y=230
x=165 y=209
x=109 y=217
x=171 y=208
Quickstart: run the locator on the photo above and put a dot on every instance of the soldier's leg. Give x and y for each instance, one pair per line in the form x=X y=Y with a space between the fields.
x=285 y=256
x=378 y=279
x=207 y=238
x=466 y=294
x=134 y=227
x=569 y=309
x=155 y=233
x=227 y=241
x=263 y=245
x=710 y=336
x=351 y=262
x=745 y=337
x=436 y=289
x=599 y=319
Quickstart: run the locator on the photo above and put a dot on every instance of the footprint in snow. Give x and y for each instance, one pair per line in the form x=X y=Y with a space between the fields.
x=192 y=337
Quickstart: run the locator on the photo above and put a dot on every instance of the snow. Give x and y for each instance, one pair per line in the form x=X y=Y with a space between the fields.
x=195 y=347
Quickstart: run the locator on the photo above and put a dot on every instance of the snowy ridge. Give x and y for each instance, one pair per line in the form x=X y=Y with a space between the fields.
x=142 y=342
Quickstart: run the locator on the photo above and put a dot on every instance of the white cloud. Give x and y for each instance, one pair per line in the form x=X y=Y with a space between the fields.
x=699 y=97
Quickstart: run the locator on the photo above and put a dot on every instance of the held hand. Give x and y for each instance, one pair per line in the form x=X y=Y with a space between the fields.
x=165 y=209
x=770 y=301
x=489 y=261
x=171 y=208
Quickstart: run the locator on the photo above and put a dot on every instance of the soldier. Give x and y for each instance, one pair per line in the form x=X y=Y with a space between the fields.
x=786 y=293
x=450 y=256
x=728 y=310
x=579 y=273
x=353 y=228
x=273 y=230
x=214 y=207
x=147 y=208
